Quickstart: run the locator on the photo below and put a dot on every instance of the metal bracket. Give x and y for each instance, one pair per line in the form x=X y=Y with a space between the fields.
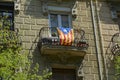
x=74 y=9
x=80 y=72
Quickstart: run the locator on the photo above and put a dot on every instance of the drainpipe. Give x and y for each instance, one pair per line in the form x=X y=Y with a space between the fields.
x=101 y=43
x=98 y=54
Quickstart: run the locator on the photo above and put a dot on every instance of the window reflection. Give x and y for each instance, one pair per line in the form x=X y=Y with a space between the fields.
x=54 y=20
x=7 y=20
x=54 y=23
x=65 y=21
x=58 y=20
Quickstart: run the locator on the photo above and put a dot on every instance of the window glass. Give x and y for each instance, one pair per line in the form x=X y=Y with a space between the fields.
x=8 y=20
x=54 y=20
x=53 y=23
x=65 y=21
x=58 y=20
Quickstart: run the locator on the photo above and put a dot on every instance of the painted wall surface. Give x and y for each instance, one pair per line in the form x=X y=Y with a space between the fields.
x=31 y=19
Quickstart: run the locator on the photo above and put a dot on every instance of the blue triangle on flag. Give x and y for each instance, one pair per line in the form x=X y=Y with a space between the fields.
x=65 y=30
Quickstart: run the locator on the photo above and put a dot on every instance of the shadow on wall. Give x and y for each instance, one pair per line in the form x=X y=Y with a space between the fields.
x=33 y=8
x=36 y=57
x=106 y=17
x=105 y=14
x=110 y=65
x=108 y=12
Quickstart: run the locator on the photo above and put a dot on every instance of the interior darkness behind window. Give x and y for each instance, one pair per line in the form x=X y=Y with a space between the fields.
x=7 y=9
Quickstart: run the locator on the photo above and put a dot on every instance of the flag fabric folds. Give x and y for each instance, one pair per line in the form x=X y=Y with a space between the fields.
x=66 y=36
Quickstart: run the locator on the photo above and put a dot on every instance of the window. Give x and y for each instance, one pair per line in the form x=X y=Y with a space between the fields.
x=59 y=20
x=7 y=10
x=118 y=14
x=63 y=74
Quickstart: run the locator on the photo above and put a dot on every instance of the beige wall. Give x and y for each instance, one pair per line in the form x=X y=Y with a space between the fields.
x=107 y=28
x=31 y=19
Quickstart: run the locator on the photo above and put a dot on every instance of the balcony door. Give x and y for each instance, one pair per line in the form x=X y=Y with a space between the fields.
x=59 y=20
x=63 y=74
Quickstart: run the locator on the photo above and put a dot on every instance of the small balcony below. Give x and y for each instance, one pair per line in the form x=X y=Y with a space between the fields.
x=51 y=42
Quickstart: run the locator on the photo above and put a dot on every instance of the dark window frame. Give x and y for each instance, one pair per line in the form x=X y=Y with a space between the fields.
x=63 y=72
x=118 y=20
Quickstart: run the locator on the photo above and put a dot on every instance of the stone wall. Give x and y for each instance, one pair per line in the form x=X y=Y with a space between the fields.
x=31 y=19
x=108 y=27
x=90 y=67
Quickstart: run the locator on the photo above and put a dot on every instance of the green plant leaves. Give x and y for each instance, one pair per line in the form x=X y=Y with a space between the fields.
x=14 y=62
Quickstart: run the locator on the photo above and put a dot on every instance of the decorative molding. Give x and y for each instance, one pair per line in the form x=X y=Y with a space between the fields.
x=80 y=73
x=17 y=6
x=74 y=9
x=58 y=8
x=48 y=8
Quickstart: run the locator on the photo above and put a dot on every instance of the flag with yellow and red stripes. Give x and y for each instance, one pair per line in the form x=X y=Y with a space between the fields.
x=66 y=36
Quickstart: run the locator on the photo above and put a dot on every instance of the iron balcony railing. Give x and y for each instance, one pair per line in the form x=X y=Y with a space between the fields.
x=50 y=36
x=115 y=48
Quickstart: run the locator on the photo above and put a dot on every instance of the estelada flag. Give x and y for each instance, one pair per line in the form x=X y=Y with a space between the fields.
x=66 y=36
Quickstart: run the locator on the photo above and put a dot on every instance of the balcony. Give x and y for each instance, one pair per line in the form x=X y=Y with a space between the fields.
x=50 y=42
x=115 y=48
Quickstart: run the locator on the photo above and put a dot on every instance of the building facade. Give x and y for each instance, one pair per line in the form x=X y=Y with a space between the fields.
x=94 y=23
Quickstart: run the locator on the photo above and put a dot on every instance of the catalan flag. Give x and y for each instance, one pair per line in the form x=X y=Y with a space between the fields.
x=66 y=36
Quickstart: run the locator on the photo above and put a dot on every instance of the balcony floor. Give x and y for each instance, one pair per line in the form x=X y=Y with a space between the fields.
x=53 y=43
x=54 y=50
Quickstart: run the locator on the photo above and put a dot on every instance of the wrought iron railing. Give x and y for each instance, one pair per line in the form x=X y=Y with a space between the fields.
x=50 y=36
x=115 y=49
